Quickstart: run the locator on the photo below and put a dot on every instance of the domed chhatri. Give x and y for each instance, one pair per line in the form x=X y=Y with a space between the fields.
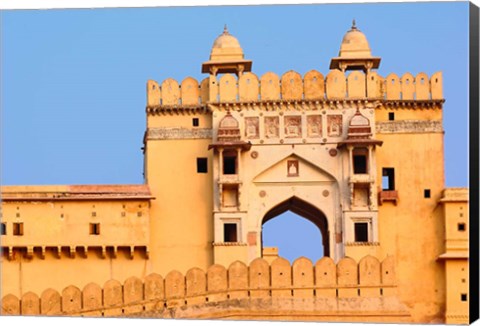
x=226 y=41
x=355 y=53
x=226 y=56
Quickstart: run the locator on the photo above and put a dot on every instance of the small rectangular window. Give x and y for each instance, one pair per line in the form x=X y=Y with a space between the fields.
x=18 y=228
x=94 y=228
x=461 y=226
x=230 y=232
x=391 y=116
x=463 y=297
x=4 y=229
x=426 y=193
x=202 y=165
x=361 y=232
x=359 y=164
x=229 y=165
x=388 y=179
x=195 y=122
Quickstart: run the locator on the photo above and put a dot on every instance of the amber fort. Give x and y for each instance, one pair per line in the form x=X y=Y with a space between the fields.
x=344 y=148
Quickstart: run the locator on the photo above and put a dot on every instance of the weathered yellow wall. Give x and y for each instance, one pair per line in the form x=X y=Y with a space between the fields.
x=176 y=121
x=57 y=249
x=412 y=231
x=66 y=223
x=456 y=253
x=457 y=281
x=36 y=275
x=182 y=227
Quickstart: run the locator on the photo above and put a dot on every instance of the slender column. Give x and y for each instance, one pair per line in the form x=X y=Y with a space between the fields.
x=350 y=160
x=239 y=152
x=220 y=163
x=370 y=160
x=220 y=173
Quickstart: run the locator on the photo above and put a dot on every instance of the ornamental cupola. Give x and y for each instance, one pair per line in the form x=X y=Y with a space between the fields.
x=226 y=56
x=228 y=129
x=359 y=131
x=355 y=53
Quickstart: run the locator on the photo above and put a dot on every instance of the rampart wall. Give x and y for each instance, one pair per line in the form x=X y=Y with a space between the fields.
x=302 y=281
x=292 y=87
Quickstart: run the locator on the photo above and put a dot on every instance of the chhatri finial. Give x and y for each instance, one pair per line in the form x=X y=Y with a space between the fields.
x=225 y=30
x=354 y=26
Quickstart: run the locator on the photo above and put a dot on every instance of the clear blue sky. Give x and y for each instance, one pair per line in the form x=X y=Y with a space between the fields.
x=73 y=81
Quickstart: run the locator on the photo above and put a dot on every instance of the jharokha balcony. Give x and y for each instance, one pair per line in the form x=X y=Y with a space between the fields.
x=388 y=195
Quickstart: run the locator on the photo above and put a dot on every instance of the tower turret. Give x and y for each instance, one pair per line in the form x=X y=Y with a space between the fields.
x=355 y=53
x=226 y=56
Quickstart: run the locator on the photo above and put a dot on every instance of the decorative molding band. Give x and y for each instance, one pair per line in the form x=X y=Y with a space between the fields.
x=296 y=105
x=176 y=109
x=178 y=133
x=457 y=316
x=229 y=244
x=363 y=244
x=413 y=104
x=408 y=126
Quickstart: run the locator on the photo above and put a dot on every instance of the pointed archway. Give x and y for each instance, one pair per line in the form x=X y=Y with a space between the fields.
x=307 y=211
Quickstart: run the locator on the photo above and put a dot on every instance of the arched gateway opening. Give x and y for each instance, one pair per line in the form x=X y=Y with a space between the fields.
x=305 y=210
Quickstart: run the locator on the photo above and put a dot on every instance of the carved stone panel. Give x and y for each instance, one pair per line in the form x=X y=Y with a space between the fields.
x=292 y=168
x=271 y=127
x=334 y=125
x=314 y=126
x=251 y=128
x=293 y=127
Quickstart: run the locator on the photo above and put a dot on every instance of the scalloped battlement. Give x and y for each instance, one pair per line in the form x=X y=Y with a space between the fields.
x=336 y=85
x=369 y=278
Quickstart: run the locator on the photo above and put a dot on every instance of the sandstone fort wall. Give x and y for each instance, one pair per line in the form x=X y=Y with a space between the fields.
x=370 y=278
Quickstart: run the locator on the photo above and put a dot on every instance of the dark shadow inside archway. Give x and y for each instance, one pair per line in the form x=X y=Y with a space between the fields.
x=305 y=210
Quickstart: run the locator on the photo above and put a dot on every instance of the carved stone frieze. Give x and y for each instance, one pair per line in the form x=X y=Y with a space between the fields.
x=293 y=126
x=271 y=127
x=408 y=126
x=334 y=125
x=178 y=133
x=314 y=126
x=251 y=128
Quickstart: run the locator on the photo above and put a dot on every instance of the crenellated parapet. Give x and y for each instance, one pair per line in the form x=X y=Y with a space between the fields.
x=157 y=295
x=292 y=87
